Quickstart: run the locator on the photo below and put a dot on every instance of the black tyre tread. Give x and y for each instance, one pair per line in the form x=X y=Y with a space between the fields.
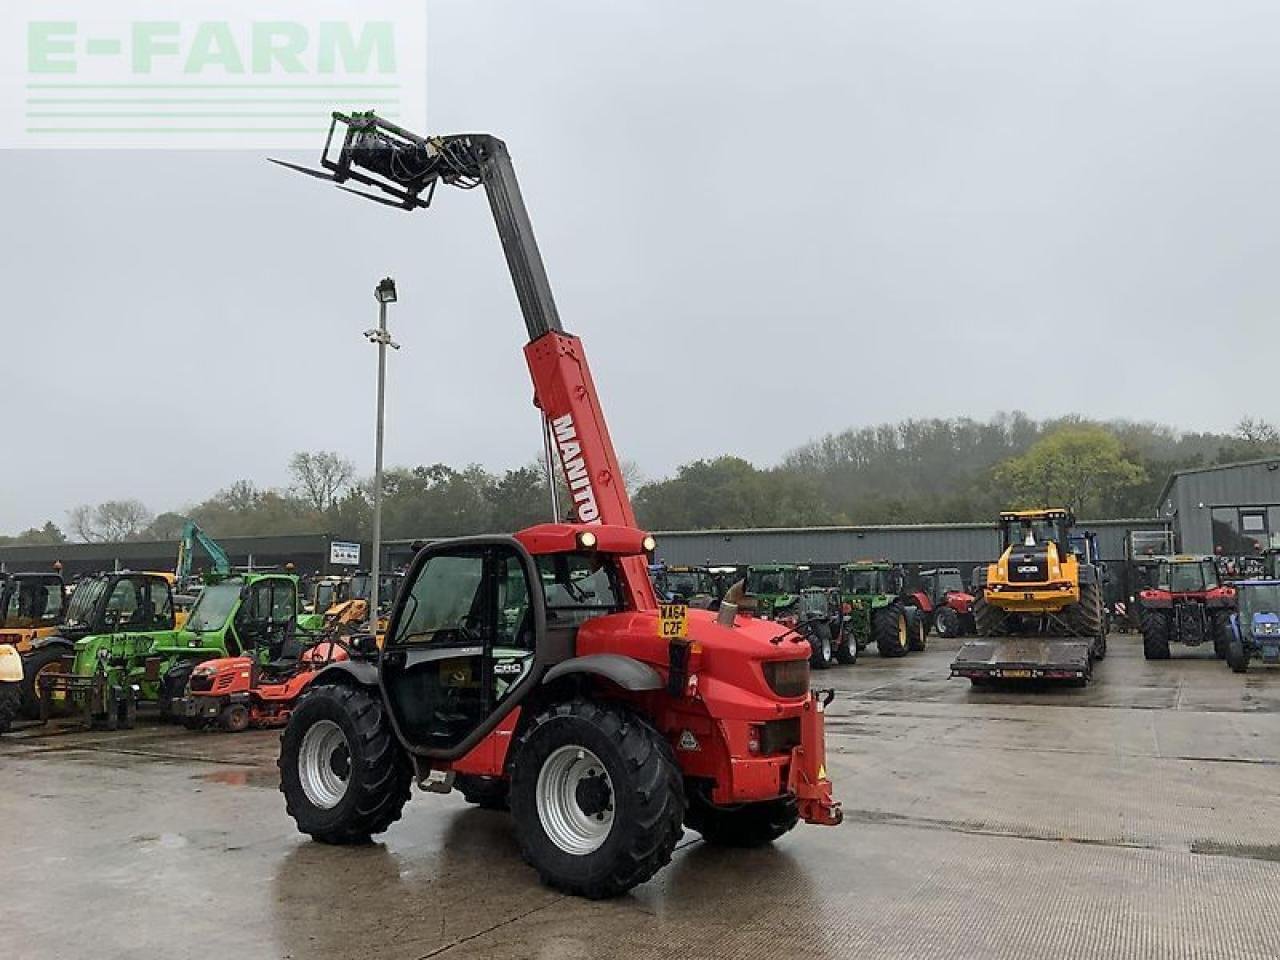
x=387 y=774
x=33 y=663
x=917 y=630
x=988 y=621
x=10 y=704
x=884 y=631
x=1155 y=635
x=657 y=787
x=847 y=652
x=1237 y=658
x=746 y=825
x=816 y=659
x=1085 y=618
x=487 y=793
x=946 y=623
x=1221 y=627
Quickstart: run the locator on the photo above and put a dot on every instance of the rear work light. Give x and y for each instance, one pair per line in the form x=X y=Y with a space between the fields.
x=788 y=678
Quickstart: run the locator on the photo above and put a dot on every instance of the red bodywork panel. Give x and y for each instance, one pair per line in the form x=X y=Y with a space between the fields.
x=958 y=601
x=1217 y=597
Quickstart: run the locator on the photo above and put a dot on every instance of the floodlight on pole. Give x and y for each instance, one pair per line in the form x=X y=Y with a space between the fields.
x=384 y=293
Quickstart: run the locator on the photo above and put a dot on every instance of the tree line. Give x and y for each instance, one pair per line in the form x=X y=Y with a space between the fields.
x=912 y=471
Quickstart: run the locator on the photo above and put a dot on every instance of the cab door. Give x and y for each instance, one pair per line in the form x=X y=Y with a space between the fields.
x=462 y=647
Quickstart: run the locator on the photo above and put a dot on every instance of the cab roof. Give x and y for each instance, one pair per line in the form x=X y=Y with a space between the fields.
x=1045 y=513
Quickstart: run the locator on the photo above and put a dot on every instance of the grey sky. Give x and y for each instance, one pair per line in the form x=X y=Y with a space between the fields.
x=767 y=220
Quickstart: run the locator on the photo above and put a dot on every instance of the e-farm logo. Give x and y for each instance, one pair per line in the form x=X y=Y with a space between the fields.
x=205 y=73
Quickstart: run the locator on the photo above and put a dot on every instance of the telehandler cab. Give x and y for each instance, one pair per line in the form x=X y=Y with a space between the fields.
x=32 y=606
x=536 y=667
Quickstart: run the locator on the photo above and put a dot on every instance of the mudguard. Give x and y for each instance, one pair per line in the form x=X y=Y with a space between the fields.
x=10 y=665
x=626 y=672
x=363 y=672
x=53 y=641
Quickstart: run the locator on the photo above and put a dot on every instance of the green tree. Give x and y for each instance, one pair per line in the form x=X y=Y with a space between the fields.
x=1080 y=467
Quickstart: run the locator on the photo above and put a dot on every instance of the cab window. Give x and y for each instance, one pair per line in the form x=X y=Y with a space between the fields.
x=444 y=606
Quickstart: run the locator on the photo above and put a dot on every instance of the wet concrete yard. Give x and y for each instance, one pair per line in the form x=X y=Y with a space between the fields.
x=1136 y=818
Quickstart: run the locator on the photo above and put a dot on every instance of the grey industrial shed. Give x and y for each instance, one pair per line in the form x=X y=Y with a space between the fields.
x=1233 y=509
x=949 y=544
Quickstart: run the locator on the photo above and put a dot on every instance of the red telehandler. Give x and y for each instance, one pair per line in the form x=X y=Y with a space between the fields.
x=537 y=671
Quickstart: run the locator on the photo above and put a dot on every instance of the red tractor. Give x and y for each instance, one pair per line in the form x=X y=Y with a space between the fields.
x=538 y=671
x=237 y=693
x=1183 y=601
x=942 y=598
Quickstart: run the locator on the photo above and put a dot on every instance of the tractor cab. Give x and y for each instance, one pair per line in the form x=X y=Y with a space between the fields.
x=693 y=586
x=1036 y=528
x=775 y=586
x=389 y=585
x=246 y=613
x=31 y=606
x=119 y=602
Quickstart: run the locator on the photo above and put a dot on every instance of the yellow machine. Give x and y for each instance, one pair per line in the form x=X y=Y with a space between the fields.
x=1047 y=580
x=10 y=686
x=31 y=607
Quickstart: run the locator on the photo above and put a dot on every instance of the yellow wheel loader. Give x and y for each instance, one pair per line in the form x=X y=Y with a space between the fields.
x=1044 y=594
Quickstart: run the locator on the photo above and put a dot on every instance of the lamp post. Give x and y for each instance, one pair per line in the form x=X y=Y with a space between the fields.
x=384 y=293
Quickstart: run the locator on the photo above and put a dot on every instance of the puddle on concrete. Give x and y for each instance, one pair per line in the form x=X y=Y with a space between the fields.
x=1245 y=851
x=242 y=778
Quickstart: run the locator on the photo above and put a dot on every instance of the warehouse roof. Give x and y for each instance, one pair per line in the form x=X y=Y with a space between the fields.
x=1214 y=468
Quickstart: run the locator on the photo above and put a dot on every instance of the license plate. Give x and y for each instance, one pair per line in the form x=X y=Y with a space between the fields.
x=1015 y=674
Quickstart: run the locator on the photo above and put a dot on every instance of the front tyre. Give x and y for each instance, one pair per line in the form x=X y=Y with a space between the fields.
x=343 y=775
x=946 y=623
x=10 y=704
x=821 y=652
x=889 y=630
x=596 y=797
x=1237 y=658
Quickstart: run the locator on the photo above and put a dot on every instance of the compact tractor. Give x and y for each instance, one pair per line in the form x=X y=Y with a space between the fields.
x=538 y=668
x=1253 y=630
x=818 y=614
x=878 y=611
x=31 y=607
x=1184 y=602
x=946 y=604
x=1044 y=594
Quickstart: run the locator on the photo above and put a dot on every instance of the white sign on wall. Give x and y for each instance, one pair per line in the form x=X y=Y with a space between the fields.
x=344 y=554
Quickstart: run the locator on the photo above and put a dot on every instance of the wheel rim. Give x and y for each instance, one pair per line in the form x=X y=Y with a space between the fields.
x=324 y=764
x=902 y=632
x=575 y=800
x=826 y=649
x=49 y=668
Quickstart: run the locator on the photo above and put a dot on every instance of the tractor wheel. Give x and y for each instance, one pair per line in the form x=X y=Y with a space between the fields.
x=1221 y=626
x=847 y=651
x=487 y=793
x=889 y=630
x=988 y=621
x=946 y=623
x=233 y=718
x=822 y=654
x=10 y=704
x=173 y=685
x=1237 y=658
x=343 y=775
x=742 y=825
x=917 y=629
x=597 y=798
x=37 y=662
x=1086 y=618
x=1155 y=635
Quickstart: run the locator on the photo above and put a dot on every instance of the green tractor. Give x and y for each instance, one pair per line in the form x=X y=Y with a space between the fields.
x=877 y=610
x=119 y=646
x=775 y=587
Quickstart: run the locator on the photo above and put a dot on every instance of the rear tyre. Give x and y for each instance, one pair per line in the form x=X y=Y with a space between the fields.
x=44 y=660
x=847 y=651
x=946 y=623
x=988 y=621
x=10 y=704
x=917 y=629
x=889 y=631
x=596 y=797
x=742 y=825
x=821 y=655
x=487 y=793
x=1155 y=635
x=1221 y=636
x=1237 y=658
x=343 y=775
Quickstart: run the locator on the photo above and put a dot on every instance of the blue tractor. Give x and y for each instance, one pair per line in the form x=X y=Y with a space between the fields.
x=1253 y=632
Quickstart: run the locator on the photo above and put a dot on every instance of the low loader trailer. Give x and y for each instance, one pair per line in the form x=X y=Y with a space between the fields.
x=990 y=659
